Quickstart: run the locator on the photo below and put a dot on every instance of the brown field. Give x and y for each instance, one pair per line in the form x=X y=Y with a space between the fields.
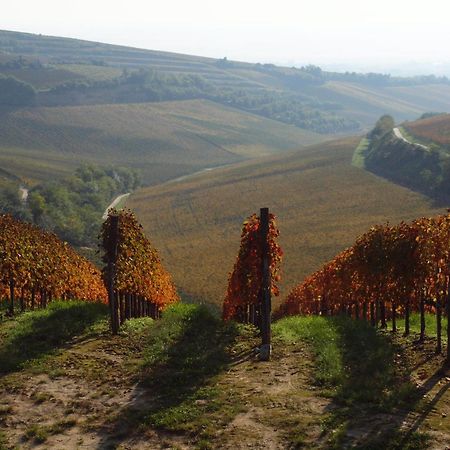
x=163 y=140
x=434 y=129
x=322 y=203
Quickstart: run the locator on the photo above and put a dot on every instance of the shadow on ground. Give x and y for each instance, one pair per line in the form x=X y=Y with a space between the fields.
x=377 y=396
x=38 y=333
x=185 y=350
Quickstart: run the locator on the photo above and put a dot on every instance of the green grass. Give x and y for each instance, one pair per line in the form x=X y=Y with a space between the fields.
x=351 y=356
x=414 y=324
x=322 y=338
x=186 y=349
x=33 y=335
x=183 y=355
x=358 y=155
x=40 y=433
x=3 y=441
x=356 y=364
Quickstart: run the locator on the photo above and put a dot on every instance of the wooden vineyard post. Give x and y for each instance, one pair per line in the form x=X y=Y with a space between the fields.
x=112 y=256
x=439 y=324
x=448 y=329
x=11 y=296
x=266 y=306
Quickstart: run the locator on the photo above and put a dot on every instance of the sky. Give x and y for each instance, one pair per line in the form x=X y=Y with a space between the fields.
x=344 y=34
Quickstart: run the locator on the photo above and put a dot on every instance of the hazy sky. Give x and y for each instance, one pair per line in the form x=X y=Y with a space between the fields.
x=361 y=32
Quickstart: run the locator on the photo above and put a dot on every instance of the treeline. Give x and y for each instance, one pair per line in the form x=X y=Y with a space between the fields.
x=289 y=108
x=314 y=75
x=145 y=85
x=310 y=75
x=14 y=92
x=71 y=207
x=424 y=169
x=295 y=104
x=385 y=80
x=19 y=62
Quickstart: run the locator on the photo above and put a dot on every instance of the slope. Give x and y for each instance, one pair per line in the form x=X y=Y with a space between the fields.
x=416 y=154
x=322 y=203
x=435 y=129
x=189 y=381
x=342 y=101
x=164 y=140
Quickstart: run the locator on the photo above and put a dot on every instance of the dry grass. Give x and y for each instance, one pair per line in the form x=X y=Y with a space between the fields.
x=322 y=203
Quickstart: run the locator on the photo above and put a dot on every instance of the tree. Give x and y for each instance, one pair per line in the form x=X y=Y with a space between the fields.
x=384 y=125
x=37 y=206
x=14 y=92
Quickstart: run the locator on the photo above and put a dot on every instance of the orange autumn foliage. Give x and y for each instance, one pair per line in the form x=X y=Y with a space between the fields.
x=37 y=261
x=245 y=281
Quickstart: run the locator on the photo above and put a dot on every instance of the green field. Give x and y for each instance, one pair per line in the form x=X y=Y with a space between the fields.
x=163 y=140
x=322 y=203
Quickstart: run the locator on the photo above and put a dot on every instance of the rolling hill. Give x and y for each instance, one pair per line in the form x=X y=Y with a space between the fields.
x=163 y=140
x=435 y=129
x=308 y=97
x=414 y=154
x=171 y=115
x=322 y=203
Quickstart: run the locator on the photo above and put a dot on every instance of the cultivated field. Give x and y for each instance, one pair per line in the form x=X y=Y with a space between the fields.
x=84 y=60
x=433 y=129
x=322 y=203
x=163 y=140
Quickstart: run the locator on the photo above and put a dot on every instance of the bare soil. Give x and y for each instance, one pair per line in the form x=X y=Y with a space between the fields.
x=74 y=401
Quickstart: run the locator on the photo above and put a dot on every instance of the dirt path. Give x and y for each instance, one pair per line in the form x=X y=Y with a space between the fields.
x=23 y=193
x=77 y=400
x=70 y=410
x=282 y=405
x=114 y=203
x=194 y=174
x=398 y=134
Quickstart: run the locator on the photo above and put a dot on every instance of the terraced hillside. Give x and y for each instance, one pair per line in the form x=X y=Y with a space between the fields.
x=319 y=100
x=322 y=202
x=164 y=140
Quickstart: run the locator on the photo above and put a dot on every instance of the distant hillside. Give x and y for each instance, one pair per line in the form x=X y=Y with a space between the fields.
x=435 y=129
x=416 y=154
x=163 y=140
x=322 y=203
x=74 y=72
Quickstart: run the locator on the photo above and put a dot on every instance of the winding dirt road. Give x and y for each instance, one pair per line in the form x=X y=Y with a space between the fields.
x=114 y=203
x=399 y=135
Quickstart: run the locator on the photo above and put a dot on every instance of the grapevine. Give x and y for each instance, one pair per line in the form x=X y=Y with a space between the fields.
x=389 y=271
x=36 y=266
x=244 y=282
x=138 y=268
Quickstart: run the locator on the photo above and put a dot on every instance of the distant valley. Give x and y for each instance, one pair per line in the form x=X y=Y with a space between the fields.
x=276 y=136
